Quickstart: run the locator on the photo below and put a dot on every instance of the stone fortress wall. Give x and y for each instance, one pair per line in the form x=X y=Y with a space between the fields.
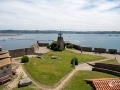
x=31 y=50
x=107 y=68
x=26 y=51
x=96 y=50
x=21 y=52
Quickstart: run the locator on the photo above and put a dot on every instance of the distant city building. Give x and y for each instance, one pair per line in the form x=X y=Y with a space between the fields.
x=5 y=67
x=60 y=41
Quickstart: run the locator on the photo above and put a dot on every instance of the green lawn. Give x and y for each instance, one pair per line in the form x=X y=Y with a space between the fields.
x=49 y=71
x=77 y=82
x=112 y=61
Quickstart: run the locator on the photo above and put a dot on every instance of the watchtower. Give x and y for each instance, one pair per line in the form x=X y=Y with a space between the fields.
x=60 y=41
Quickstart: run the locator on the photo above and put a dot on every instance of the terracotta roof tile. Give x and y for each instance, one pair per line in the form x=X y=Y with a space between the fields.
x=106 y=83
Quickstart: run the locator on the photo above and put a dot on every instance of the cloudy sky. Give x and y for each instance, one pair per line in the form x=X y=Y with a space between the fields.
x=78 y=15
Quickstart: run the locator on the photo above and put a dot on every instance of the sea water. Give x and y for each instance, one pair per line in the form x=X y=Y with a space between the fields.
x=87 y=40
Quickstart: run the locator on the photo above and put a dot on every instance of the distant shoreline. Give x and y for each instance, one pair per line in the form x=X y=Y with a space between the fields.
x=55 y=32
x=1 y=34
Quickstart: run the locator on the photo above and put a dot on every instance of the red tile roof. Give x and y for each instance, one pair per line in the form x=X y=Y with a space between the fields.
x=105 y=83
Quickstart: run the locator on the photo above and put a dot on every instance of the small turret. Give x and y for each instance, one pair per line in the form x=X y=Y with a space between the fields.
x=60 y=34
x=60 y=41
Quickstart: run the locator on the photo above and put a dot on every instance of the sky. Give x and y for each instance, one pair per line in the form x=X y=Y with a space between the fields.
x=71 y=15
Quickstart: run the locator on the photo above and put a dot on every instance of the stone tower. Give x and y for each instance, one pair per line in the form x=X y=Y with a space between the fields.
x=60 y=41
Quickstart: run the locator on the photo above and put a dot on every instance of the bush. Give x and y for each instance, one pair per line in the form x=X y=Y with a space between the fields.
x=25 y=59
x=53 y=45
x=55 y=48
x=48 y=46
x=74 y=61
x=69 y=45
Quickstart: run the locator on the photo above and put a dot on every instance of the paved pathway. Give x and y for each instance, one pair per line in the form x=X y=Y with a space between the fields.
x=84 y=66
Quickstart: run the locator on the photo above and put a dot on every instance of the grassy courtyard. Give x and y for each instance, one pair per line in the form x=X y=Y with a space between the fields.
x=49 y=71
x=77 y=82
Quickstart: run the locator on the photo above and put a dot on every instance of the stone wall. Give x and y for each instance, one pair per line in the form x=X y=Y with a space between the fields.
x=107 y=71
x=108 y=66
x=5 y=70
x=76 y=47
x=88 y=49
x=17 y=52
x=21 y=52
x=96 y=50
x=43 y=44
x=29 y=51
x=112 y=51
x=100 y=50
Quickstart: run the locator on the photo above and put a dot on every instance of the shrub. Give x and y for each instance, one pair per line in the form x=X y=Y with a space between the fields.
x=74 y=61
x=48 y=46
x=25 y=59
x=55 y=48
x=69 y=45
x=53 y=45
